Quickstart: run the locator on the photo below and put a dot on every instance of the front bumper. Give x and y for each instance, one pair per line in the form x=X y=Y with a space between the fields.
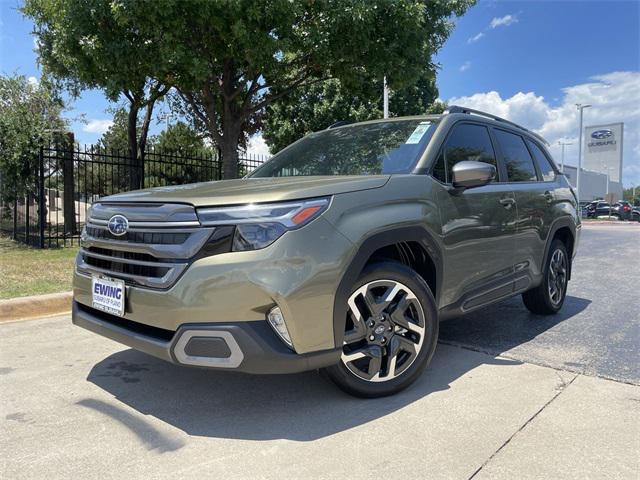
x=299 y=273
x=249 y=347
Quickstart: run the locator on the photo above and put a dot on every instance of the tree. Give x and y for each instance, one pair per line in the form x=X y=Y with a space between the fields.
x=106 y=45
x=237 y=58
x=180 y=139
x=627 y=194
x=30 y=117
x=116 y=138
x=326 y=103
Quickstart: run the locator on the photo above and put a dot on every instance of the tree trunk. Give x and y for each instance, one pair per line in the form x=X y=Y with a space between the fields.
x=132 y=137
x=142 y=141
x=229 y=149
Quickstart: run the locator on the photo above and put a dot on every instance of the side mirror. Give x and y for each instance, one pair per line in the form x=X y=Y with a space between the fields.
x=470 y=174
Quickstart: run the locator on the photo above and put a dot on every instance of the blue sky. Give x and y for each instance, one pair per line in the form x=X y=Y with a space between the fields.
x=529 y=61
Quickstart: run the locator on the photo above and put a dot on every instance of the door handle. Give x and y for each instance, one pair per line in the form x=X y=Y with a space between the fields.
x=507 y=202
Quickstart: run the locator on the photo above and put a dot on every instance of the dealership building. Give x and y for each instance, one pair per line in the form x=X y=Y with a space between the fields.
x=602 y=163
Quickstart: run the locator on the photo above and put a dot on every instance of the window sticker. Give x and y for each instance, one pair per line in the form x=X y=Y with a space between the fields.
x=418 y=133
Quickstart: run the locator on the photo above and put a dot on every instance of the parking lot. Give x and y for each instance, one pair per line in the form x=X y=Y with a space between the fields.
x=508 y=395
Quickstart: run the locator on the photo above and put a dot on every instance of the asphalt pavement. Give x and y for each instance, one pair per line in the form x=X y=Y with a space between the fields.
x=597 y=332
x=508 y=395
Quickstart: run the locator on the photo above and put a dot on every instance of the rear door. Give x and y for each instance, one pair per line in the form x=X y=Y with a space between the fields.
x=534 y=194
x=478 y=225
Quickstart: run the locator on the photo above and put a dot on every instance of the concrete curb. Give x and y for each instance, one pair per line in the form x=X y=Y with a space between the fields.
x=612 y=223
x=24 y=308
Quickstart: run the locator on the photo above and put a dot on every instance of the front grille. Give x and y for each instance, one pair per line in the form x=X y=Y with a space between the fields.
x=156 y=238
x=118 y=263
x=158 y=246
x=144 y=257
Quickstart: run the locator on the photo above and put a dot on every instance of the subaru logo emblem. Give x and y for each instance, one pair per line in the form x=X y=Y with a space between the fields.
x=601 y=134
x=118 y=225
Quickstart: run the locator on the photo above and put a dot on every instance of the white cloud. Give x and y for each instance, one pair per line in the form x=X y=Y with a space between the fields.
x=465 y=66
x=503 y=21
x=97 y=126
x=33 y=81
x=257 y=146
x=615 y=98
x=475 y=38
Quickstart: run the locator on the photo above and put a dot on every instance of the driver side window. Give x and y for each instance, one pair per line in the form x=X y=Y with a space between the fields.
x=466 y=142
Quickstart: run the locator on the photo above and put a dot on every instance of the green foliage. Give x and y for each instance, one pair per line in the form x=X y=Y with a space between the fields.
x=107 y=45
x=627 y=194
x=180 y=139
x=236 y=58
x=98 y=44
x=323 y=104
x=30 y=116
x=115 y=138
x=229 y=60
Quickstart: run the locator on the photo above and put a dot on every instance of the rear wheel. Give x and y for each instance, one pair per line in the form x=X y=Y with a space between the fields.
x=548 y=297
x=390 y=333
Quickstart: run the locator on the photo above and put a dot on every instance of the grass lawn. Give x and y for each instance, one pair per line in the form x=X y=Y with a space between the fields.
x=29 y=271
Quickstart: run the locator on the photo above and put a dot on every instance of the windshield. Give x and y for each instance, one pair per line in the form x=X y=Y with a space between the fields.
x=365 y=149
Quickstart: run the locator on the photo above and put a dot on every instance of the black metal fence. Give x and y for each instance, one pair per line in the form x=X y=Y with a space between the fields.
x=52 y=208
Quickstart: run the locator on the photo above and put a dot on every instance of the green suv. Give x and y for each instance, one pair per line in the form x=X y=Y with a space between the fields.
x=342 y=253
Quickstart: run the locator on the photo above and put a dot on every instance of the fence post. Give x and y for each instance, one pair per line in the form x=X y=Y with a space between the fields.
x=27 y=220
x=69 y=201
x=42 y=216
x=15 y=216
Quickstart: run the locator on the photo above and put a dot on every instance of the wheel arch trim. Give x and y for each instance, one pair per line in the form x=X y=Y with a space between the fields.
x=562 y=222
x=372 y=243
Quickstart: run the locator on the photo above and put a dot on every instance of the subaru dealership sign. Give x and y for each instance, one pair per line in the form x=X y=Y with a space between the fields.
x=603 y=150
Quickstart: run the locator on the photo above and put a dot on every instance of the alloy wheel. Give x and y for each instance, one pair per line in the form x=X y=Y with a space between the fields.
x=557 y=281
x=385 y=331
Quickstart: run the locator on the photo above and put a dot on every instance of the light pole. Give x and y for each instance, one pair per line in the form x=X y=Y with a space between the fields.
x=580 y=107
x=606 y=196
x=385 y=98
x=563 y=144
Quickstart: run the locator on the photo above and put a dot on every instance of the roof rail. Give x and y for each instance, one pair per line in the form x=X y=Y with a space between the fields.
x=339 y=124
x=458 y=109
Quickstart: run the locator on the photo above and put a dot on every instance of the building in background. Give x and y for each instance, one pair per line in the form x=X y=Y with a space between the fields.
x=593 y=185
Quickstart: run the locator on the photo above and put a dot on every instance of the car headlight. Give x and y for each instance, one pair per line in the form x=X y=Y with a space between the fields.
x=259 y=225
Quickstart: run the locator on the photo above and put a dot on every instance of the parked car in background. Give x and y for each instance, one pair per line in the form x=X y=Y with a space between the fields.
x=622 y=210
x=599 y=208
x=635 y=213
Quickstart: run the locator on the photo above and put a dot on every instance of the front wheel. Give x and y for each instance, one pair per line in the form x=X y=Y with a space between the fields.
x=548 y=297
x=390 y=333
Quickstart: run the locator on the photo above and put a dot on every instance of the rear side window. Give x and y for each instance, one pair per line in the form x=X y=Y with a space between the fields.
x=517 y=160
x=466 y=142
x=546 y=170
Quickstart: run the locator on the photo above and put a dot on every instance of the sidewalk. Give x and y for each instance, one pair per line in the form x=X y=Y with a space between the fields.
x=73 y=404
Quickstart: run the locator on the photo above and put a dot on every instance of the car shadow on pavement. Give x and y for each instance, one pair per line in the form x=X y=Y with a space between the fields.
x=505 y=325
x=301 y=407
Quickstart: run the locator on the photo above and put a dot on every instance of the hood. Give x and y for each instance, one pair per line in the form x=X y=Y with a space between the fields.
x=251 y=190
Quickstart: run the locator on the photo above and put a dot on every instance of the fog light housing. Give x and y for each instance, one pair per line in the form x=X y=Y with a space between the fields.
x=276 y=320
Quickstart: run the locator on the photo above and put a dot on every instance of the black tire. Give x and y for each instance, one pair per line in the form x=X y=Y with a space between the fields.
x=413 y=297
x=539 y=300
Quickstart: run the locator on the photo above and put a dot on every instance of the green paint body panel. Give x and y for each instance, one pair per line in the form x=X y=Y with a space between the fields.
x=486 y=251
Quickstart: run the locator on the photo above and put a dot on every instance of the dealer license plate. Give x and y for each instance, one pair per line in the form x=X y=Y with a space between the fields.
x=107 y=294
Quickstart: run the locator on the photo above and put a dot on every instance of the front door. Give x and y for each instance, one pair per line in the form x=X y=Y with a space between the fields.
x=478 y=225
